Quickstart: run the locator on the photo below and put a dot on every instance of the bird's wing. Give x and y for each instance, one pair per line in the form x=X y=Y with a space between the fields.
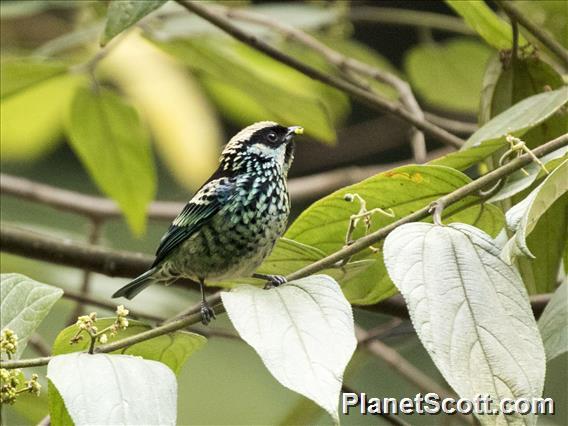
x=201 y=209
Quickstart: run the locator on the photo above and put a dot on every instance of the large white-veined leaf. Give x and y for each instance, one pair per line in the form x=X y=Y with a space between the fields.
x=470 y=310
x=24 y=304
x=523 y=217
x=553 y=323
x=303 y=332
x=114 y=389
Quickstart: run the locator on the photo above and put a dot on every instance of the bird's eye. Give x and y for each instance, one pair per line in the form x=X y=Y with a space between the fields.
x=272 y=137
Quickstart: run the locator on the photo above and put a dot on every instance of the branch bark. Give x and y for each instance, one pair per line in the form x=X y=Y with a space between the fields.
x=355 y=91
x=411 y=18
x=302 y=190
x=344 y=63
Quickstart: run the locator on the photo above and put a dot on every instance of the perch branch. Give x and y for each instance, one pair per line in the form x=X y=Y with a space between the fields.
x=355 y=91
x=194 y=316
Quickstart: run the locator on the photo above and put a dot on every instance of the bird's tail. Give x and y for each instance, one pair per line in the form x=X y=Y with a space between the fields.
x=137 y=285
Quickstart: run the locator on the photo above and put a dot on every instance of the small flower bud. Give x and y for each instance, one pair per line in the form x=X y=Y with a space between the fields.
x=103 y=339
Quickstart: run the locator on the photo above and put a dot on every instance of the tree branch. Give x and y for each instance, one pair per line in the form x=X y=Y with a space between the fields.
x=411 y=18
x=343 y=63
x=538 y=32
x=10 y=237
x=302 y=189
x=451 y=198
x=355 y=91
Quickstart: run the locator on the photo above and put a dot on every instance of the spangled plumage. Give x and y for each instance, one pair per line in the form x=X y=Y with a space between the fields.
x=232 y=223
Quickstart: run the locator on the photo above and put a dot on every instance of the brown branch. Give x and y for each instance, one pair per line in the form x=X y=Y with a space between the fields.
x=113 y=263
x=454 y=126
x=401 y=365
x=302 y=189
x=343 y=63
x=412 y=18
x=355 y=91
x=537 y=31
x=194 y=315
x=94 y=235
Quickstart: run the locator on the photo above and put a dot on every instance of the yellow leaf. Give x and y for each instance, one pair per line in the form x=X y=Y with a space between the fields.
x=184 y=125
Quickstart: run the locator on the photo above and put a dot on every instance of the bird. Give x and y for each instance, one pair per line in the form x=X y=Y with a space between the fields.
x=234 y=220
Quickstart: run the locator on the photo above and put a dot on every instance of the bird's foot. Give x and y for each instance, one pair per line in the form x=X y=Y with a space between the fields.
x=274 y=281
x=207 y=313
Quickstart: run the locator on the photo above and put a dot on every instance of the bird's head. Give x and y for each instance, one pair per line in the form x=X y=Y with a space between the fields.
x=263 y=142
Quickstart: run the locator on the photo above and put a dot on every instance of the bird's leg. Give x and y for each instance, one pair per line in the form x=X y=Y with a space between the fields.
x=207 y=313
x=271 y=280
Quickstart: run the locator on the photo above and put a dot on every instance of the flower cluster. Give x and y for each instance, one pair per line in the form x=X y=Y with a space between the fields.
x=10 y=380
x=8 y=342
x=87 y=323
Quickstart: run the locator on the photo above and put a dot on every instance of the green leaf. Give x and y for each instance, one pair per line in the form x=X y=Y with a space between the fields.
x=522 y=79
x=113 y=146
x=547 y=14
x=19 y=75
x=524 y=216
x=546 y=242
x=521 y=117
x=59 y=415
x=522 y=179
x=495 y=31
x=406 y=189
x=303 y=332
x=289 y=256
x=31 y=121
x=25 y=303
x=123 y=14
x=471 y=312
x=188 y=137
x=107 y=389
x=515 y=121
x=260 y=84
x=553 y=323
x=172 y=349
x=448 y=75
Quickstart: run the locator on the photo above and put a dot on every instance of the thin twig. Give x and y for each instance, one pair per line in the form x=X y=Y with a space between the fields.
x=93 y=238
x=343 y=63
x=454 y=126
x=39 y=345
x=355 y=91
x=408 y=371
x=411 y=18
x=539 y=32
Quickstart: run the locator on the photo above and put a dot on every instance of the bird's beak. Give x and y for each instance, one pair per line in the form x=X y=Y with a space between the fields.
x=294 y=130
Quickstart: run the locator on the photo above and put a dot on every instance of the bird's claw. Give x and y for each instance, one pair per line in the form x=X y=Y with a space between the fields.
x=275 y=281
x=207 y=313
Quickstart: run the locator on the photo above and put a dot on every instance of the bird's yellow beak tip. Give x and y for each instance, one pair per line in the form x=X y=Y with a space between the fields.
x=299 y=130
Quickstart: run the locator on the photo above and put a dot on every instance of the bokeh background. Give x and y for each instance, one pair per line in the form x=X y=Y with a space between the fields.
x=191 y=110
